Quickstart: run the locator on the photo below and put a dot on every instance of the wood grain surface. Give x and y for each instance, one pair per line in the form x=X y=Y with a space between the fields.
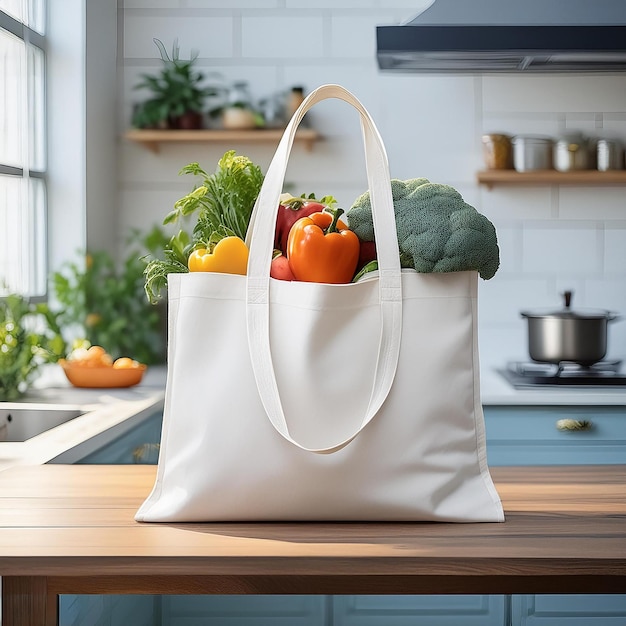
x=565 y=532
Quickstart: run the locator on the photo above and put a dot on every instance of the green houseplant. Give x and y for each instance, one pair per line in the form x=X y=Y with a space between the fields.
x=178 y=97
x=104 y=301
x=30 y=336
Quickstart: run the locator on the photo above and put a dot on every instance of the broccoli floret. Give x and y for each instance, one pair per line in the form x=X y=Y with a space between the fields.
x=437 y=230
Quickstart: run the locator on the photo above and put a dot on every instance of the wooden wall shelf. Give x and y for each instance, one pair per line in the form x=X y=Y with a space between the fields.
x=551 y=177
x=152 y=139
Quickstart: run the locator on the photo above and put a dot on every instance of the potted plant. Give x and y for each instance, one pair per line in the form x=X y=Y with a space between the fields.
x=30 y=336
x=178 y=97
x=104 y=301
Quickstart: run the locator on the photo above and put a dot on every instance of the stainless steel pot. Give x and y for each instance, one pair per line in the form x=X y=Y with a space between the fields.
x=567 y=335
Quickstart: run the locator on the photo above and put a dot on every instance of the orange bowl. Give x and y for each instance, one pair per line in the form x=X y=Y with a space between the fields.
x=101 y=376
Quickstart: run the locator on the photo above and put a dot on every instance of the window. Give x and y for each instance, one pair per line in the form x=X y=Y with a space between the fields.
x=23 y=211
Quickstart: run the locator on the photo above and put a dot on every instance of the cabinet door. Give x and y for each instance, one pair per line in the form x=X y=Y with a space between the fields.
x=530 y=435
x=78 y=610
x=574 y=610
x=461 y=610
x=244 y=610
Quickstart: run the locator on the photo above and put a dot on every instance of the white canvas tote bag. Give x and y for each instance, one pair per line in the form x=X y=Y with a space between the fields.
x=306 y=401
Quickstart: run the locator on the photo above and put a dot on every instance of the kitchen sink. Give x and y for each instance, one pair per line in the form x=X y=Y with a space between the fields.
x=20 y=422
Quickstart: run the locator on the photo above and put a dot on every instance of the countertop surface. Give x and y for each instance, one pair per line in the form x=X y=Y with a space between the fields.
x=102 y=409
x=565 y=532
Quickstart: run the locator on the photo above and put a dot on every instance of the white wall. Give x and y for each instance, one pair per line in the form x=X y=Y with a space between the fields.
x=101 y=104
x=82 y=150
x=66 y=133
x=551 y=238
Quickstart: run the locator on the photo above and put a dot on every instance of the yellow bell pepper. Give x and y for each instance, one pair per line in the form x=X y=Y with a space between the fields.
x=229 y=256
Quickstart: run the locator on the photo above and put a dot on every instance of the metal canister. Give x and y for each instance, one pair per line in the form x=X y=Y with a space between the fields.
x=532 y=152
x=571 y=152
x=609 y=155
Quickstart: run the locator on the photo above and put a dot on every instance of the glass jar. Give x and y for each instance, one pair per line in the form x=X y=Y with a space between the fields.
x=294 y=100
x=238 y=114
x=239 y=95
x=609 y=155
x=571 y=152
x=497 y=151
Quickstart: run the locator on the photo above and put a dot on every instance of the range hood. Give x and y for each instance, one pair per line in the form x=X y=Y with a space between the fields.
x=487 y=36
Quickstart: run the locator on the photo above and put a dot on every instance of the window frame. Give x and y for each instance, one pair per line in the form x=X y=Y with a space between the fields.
x=32 y=37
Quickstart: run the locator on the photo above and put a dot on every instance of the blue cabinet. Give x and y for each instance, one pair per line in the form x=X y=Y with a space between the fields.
x=235 y=610
x=576 y=610
x=532 y=435
x=459 y=610
x=97 y=610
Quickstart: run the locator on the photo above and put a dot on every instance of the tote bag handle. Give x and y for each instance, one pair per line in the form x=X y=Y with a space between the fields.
x=260 y=239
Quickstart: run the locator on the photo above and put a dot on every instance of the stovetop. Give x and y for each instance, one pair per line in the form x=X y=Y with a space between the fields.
x=523 y=375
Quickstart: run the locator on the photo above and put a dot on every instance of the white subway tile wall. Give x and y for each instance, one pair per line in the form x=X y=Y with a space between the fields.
x=551 y=238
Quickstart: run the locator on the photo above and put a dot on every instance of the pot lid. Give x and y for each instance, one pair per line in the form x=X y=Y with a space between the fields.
x=580 y=314
x=568 y=313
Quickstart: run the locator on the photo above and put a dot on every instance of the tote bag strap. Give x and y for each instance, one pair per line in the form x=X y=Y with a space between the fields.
x=260 y=239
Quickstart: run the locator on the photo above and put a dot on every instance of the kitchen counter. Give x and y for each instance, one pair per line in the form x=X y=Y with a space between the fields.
x=495 y=390
x=71 y=529
x=103 y=410
x=106 y=409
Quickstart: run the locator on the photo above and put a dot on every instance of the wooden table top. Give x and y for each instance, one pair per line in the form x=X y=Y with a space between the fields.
x=565 y=532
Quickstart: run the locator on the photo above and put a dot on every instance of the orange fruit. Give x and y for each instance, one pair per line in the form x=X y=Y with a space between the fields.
x=97 y=357
x=124 y=363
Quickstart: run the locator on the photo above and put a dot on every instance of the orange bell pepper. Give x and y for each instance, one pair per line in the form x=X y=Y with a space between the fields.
x=321 y=248
x=229 y=256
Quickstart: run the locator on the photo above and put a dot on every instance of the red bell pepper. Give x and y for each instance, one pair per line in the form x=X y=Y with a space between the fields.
x=289 y=212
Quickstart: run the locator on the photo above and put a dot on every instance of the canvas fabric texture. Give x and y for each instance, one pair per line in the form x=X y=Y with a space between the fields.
x=295 y=401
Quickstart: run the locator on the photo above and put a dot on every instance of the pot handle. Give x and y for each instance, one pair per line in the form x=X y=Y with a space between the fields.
x=567 y=298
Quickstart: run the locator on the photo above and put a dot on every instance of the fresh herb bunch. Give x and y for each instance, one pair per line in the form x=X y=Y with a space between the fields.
x=224 y=200
x=176 y=251
x=30 y=336
x=224 y=203
x=104 y=301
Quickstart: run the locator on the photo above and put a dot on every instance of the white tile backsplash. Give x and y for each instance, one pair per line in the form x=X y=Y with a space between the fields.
x=209 y=36
x=502 y=301
x=274 y=36
x=354 y=37
x=551 y=238
x=502 y=206
x=152 y=4
x=510 y=245
x=558 y=250
x=593 y=203
x=554 y=93
x=615 y=255
x=331 y=4
x=233 y=4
